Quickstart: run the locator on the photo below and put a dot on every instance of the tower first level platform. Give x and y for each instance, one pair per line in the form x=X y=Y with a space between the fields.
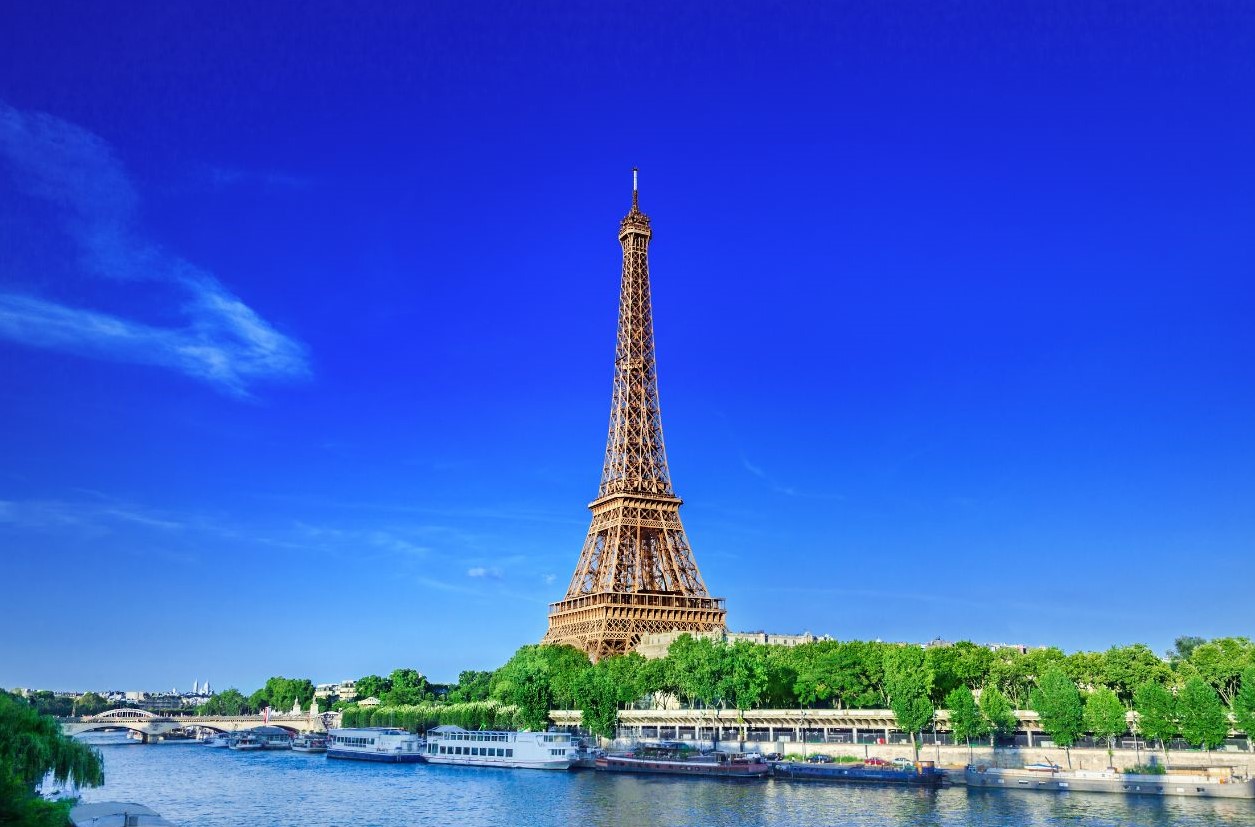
x=610 y=623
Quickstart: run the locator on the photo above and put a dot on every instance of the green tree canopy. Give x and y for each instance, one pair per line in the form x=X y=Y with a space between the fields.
x=1105 y=716
x=746 y=675
x=1221 y=662
x=1157 y=717
x=1058 y=702
x=998 y=712
x=1203 y=719
x=371 y=686
x=697 y=666
x=471 y=686
x=1244 y=705
x=966 y=720
x=227 y=702
x=1125 y=668
x=539 y=678
x=281 y=693
x=909 y=683
x=31 y=746
x=406 y=686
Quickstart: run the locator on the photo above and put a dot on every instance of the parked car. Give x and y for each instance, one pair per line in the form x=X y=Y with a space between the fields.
x=820 y=758
x=875 y=762
x=774 y=756
x=903 y=763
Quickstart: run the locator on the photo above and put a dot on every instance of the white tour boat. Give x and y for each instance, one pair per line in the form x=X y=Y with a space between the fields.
x=387 y=744
x=531 y=750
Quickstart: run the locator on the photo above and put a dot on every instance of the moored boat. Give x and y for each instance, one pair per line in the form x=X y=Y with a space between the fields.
x=498 y=748
x=1220 y=782
x=309 y=743
x=246 y=742
x=678 y=759
x=922 y=774
x=218 y=739
x=386 y=744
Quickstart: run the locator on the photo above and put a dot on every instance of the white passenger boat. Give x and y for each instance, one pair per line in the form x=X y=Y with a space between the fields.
x=530 y=750
x=309 y=743
x=218 y=739
x=387 y=744
x=246 y=742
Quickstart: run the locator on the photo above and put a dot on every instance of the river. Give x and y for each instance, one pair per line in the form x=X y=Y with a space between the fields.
x=197 y=786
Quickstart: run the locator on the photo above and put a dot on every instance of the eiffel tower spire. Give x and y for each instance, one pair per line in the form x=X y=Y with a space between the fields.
x=636 y=574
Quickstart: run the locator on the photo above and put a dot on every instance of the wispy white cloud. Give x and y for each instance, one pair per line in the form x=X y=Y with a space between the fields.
x=491 y=572
x=223 y=341
x=779 y=488
x=93 y=516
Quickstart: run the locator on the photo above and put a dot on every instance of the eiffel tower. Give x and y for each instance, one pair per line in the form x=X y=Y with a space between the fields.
x=636 y=574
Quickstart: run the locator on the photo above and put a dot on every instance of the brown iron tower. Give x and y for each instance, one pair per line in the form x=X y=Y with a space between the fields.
x=636 y=574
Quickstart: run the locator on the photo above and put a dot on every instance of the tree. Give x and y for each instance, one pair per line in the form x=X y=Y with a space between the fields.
x=407 y=687
x=259 y=700
x=998 y=712
x=1203 y=719
x=781 y=677
x=228 y=702
x=539 y=678
x=89 y=703
x=746 y=678
x=282 y=693
x=697 y=666
x=1184 y=646
x=1105 y=716
x=1157 y=717
x=1058 y=702
x=471 y=686
x=943 y=663
x=1221 y=662
x=371 y=686
x=909 y=683
x=973 y=664
x=1125 y=668
x=1244 y=706
x=966 y=720
x=606 y=685
x=31 y=746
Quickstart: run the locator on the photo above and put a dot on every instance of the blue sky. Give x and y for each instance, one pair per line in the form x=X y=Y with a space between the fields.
x=307 y=321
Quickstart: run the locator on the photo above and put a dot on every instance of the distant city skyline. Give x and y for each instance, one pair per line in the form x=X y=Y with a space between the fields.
x=307 y=325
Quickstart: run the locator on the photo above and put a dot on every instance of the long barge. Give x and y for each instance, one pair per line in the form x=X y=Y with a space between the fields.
x=1215 y=783
x=922 y=775
x=667 y=759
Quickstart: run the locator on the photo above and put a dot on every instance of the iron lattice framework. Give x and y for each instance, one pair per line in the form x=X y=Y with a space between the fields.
x=636 y=574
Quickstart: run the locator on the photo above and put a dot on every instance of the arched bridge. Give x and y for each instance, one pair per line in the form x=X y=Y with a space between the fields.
x=154 y=727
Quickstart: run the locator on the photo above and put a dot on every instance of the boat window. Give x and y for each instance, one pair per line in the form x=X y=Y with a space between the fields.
x=509 y=753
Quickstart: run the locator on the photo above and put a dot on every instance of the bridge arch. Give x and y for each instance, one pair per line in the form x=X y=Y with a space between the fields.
x=89 y=727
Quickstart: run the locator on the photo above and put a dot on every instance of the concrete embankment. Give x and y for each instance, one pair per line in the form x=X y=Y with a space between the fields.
x=956 y=757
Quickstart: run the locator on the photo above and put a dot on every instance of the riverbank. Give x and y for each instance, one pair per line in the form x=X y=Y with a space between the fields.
x=195 y=786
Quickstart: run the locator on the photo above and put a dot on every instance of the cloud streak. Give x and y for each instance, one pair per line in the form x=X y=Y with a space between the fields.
x=222 y=341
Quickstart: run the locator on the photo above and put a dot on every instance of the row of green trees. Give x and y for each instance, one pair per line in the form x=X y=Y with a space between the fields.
x=31 y=747
x=1202 y=682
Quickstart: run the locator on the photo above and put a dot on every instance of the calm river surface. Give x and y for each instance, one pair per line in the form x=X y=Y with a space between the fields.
x=193 y=785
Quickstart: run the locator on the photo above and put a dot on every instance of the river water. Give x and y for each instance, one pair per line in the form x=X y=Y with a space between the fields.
x=197 y=786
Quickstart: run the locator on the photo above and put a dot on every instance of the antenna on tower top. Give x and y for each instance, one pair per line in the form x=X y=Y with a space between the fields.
x=635 y=198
